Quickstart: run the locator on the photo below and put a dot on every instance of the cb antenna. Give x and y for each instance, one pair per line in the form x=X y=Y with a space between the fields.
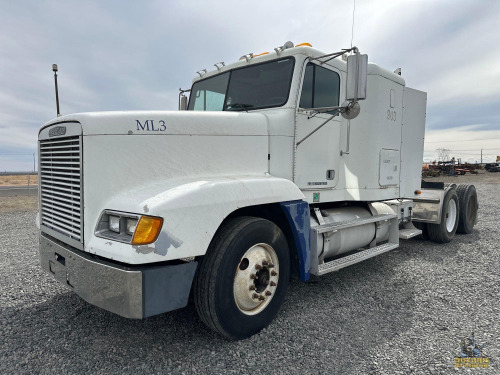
x=352 y=29
x=54 y=69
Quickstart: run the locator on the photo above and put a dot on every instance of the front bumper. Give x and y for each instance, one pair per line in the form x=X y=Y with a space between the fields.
x=132 y=292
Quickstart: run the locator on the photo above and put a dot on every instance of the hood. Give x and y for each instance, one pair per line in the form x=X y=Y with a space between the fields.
x=130 y=157
x=167 y=123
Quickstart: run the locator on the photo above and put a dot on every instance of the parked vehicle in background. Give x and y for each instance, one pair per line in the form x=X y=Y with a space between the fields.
x=492 y=167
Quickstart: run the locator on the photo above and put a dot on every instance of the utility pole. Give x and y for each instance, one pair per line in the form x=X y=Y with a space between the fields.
x=34 y=170
x=481 y=156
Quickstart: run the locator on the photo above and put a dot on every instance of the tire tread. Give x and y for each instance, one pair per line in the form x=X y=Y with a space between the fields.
x=207 y=274
x=463 y=191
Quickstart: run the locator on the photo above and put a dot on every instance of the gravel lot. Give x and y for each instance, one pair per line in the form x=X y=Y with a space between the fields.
x=402 y=312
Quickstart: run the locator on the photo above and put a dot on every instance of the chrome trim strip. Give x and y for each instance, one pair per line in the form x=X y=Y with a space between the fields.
x=74 y=129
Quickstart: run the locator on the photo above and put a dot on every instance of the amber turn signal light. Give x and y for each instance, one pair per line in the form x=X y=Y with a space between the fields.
x=147 y=231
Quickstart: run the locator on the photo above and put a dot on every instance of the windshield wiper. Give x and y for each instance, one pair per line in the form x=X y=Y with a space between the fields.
x=240 y=105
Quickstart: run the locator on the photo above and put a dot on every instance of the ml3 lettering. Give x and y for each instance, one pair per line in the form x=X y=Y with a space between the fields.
x=149 y=125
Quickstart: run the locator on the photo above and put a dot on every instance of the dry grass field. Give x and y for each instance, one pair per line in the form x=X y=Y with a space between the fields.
x=18 y=204
x=18 y=180
x=483 y=177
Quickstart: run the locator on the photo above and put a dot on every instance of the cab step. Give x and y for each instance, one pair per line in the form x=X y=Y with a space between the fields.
x=359 y=256
x=409 y=233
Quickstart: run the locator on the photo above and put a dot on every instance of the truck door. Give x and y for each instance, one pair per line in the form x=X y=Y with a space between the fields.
x=317 y=158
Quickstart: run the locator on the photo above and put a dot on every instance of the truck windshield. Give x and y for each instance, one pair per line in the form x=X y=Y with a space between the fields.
x=257 y=86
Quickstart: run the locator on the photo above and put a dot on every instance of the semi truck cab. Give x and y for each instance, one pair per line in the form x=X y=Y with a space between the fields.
x=285 y=162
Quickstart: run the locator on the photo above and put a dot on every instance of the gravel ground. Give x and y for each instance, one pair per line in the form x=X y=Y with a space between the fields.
x=402 y=312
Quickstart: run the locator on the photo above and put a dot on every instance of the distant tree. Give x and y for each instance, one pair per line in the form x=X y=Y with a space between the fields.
x=443 y=154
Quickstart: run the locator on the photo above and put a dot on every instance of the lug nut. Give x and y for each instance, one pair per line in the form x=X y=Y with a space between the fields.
x=274 y=273
x=253 y=276
x=272 y=283
x=264 y=263
x=268 y=293
x=258 y=267
x=252 y=287
x=271 y=265
x=262 y=298
x=255 y=295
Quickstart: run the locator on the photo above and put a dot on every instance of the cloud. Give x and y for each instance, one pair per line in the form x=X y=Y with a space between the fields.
x=117 y=57
x=464 y=142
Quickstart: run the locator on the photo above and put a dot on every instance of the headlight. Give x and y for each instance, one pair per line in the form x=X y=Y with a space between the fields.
x=131 y=225
x=129 y=228
x=114 y=223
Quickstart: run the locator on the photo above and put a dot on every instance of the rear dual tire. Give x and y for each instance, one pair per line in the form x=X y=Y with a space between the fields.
x=458 y=215
x=444 y=231
x=467 y=217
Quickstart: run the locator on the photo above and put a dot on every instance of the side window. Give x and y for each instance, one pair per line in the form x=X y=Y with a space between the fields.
x=208 y=101
x=321 y=87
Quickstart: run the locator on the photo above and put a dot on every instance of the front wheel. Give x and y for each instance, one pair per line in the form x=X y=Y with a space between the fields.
x=242 y=280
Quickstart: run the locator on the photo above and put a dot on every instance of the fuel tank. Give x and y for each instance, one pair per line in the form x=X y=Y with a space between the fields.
x=331 y=244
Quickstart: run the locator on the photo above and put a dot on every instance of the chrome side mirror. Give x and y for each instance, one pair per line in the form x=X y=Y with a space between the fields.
x=357 y=70
x=183 y=100
x=183 y=106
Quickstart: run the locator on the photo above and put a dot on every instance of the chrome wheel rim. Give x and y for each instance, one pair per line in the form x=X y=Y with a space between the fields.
x=256 y=279
x=451 y=215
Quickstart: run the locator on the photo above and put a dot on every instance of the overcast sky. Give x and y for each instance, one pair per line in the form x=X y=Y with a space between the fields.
x=117 y=55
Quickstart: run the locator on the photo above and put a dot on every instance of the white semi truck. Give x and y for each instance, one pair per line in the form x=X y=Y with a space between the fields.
x=289 y=162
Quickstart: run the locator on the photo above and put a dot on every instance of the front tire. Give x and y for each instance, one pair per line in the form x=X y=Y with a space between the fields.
x=242 y=280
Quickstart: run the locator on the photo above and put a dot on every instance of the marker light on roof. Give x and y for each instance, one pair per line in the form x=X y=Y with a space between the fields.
x=247 y=57
x=303 y=44
x=283 y=47
x=221 y=65
x=261 y=54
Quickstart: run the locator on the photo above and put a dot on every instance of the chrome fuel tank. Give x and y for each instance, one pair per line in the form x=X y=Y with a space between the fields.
x=331 y=244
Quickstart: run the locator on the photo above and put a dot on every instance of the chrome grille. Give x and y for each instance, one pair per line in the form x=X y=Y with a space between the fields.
x=60 y=186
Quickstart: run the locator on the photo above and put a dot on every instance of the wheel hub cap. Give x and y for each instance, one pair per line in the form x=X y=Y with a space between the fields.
x=451 y=215
x=256 y=279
